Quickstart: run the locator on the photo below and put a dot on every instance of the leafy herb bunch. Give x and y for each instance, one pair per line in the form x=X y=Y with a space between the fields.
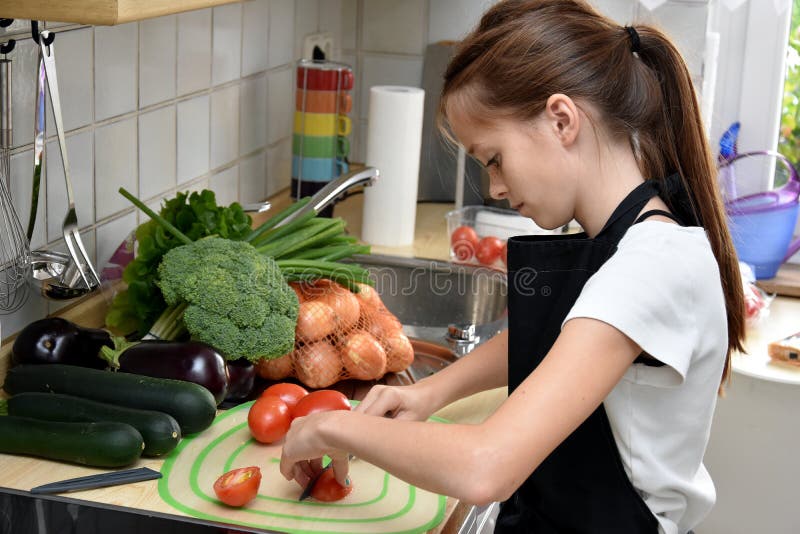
x=196 y=215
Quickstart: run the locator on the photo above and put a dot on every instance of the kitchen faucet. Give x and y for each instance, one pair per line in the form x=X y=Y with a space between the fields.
x=330 y=192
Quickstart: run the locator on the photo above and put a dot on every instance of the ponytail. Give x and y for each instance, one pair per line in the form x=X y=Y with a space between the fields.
x=678 y=142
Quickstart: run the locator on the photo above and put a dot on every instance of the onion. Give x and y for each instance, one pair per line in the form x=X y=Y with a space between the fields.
x=275 y=369
x=363 y=356
x=399 y=352
x=345 y=306
x=315 y=320
x=317 y=365
x=382 y=324
x=368 y=297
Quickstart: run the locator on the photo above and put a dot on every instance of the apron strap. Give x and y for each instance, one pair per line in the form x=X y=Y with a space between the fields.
x=650 y=213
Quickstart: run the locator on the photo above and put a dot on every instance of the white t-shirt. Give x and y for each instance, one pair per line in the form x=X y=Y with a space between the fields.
x=662 y=289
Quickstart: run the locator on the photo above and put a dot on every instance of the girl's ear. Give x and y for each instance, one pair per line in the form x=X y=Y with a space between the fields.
x=562 y=115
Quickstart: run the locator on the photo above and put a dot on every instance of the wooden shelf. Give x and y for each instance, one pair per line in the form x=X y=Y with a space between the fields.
x=100 y=12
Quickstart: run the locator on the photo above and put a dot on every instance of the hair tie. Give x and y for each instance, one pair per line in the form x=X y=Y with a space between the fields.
x=636 y=44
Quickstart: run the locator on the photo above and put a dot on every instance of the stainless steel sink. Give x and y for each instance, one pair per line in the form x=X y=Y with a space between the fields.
x=441 y=302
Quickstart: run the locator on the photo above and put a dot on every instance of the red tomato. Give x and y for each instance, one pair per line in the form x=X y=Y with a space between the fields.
x=504 y=255
x=286 y=391
x=327 y=489
x=269 y=419
x=489 y=249
x=323 y=400
x=463 y=241
x=239 y=486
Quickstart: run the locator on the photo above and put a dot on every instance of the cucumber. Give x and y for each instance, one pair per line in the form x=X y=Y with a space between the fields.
x=160 y=431
x=104 y=444
x=191 y=405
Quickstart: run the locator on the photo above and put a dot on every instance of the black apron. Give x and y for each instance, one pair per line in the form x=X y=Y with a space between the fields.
x=581 y=487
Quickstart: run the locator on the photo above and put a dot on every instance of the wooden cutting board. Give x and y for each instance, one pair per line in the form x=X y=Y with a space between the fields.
x=378 y=503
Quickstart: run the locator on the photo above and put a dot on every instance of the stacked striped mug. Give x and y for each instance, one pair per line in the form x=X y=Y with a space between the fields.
x=320 y=141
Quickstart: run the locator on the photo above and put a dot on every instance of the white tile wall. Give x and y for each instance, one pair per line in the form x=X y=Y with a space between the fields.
x=253 y=178
x=115 y=60
x=225 y=185
x=194 y=51
x=255 y=37
x=253 y=113
x=306 y=22
x=453 y=19
x=227 y=43
x=224 y=126
x=157 y=152
x=279 y=166
x=280 y=103
x=396 y=26
x=111 y=234
x=75 y=87
x=115 y=166
x=193 y=138
x=157 y=60
x=281 y=34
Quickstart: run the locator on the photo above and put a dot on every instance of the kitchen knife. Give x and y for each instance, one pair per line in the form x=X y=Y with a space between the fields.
x=307 y=491
x=99 y=481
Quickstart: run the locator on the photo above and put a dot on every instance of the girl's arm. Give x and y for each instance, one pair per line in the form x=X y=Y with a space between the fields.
x=486 y=462
x=484 y=368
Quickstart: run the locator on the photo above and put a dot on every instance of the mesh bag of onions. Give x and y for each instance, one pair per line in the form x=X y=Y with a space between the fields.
x=339 y=335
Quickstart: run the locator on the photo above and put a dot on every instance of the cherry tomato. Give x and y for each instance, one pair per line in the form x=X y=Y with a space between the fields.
x=327 y=489
x=269 y=419
x=286 y=391
x=489 y=249
x=239 y=486
x=463 y=241
x=323 y=400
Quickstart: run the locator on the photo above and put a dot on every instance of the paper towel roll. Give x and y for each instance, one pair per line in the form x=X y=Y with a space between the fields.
x=394 y=136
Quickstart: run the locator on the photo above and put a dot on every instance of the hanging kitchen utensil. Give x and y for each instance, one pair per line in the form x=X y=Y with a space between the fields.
x=72 y=237
x=38 y=141
x=14 y=248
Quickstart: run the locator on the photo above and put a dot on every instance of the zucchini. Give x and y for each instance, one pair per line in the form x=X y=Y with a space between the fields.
x=191 y=405
x=104 y=444
x=160 y=431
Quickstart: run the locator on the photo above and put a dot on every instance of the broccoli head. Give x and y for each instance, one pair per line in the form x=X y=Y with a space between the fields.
x=237 y=299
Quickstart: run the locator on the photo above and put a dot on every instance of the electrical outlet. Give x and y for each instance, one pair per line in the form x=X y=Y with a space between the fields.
x=323 y=40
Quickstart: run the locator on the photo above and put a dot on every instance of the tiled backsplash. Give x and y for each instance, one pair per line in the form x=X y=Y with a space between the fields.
x=181 y=102
x=204 y=99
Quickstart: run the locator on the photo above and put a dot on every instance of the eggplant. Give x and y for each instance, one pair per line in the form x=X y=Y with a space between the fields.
x=242 y=375
x=56 y=340
x=192 y=361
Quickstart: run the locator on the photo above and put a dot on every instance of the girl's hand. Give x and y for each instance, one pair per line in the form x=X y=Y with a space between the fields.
x=398 y=402
x=301 y=458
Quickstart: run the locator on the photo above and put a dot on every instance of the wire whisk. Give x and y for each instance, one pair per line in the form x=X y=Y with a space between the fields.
x=15 y=263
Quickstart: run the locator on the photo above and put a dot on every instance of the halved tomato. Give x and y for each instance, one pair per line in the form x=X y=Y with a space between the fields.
x=239 y=486
x=327 y=489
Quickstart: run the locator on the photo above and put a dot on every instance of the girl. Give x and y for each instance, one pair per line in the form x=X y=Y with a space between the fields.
x=619 y=337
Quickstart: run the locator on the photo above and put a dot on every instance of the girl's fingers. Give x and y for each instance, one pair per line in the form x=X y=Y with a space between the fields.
x=341 y=469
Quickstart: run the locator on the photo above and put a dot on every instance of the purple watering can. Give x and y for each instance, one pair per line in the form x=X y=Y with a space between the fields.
x=762 y=224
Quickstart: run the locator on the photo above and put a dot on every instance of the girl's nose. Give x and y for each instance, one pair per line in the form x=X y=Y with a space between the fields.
x=497 y=190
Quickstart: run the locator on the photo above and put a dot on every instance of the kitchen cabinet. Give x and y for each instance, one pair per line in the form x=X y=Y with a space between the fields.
x=100 y=12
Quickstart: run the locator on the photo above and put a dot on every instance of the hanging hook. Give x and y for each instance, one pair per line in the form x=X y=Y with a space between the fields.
x=5 y=23
x=47 y=41
x=6 y=48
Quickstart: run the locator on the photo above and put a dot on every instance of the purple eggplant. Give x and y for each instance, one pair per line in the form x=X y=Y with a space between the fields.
x=242 y=374
x=56 y=340
x=192 y=361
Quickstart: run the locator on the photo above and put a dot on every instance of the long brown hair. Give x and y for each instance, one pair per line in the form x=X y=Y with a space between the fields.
x=523 y=51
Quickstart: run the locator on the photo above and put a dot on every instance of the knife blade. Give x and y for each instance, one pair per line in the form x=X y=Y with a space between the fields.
x=98 y=481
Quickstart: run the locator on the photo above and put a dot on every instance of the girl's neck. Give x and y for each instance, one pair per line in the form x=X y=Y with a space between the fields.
x=610 y=172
